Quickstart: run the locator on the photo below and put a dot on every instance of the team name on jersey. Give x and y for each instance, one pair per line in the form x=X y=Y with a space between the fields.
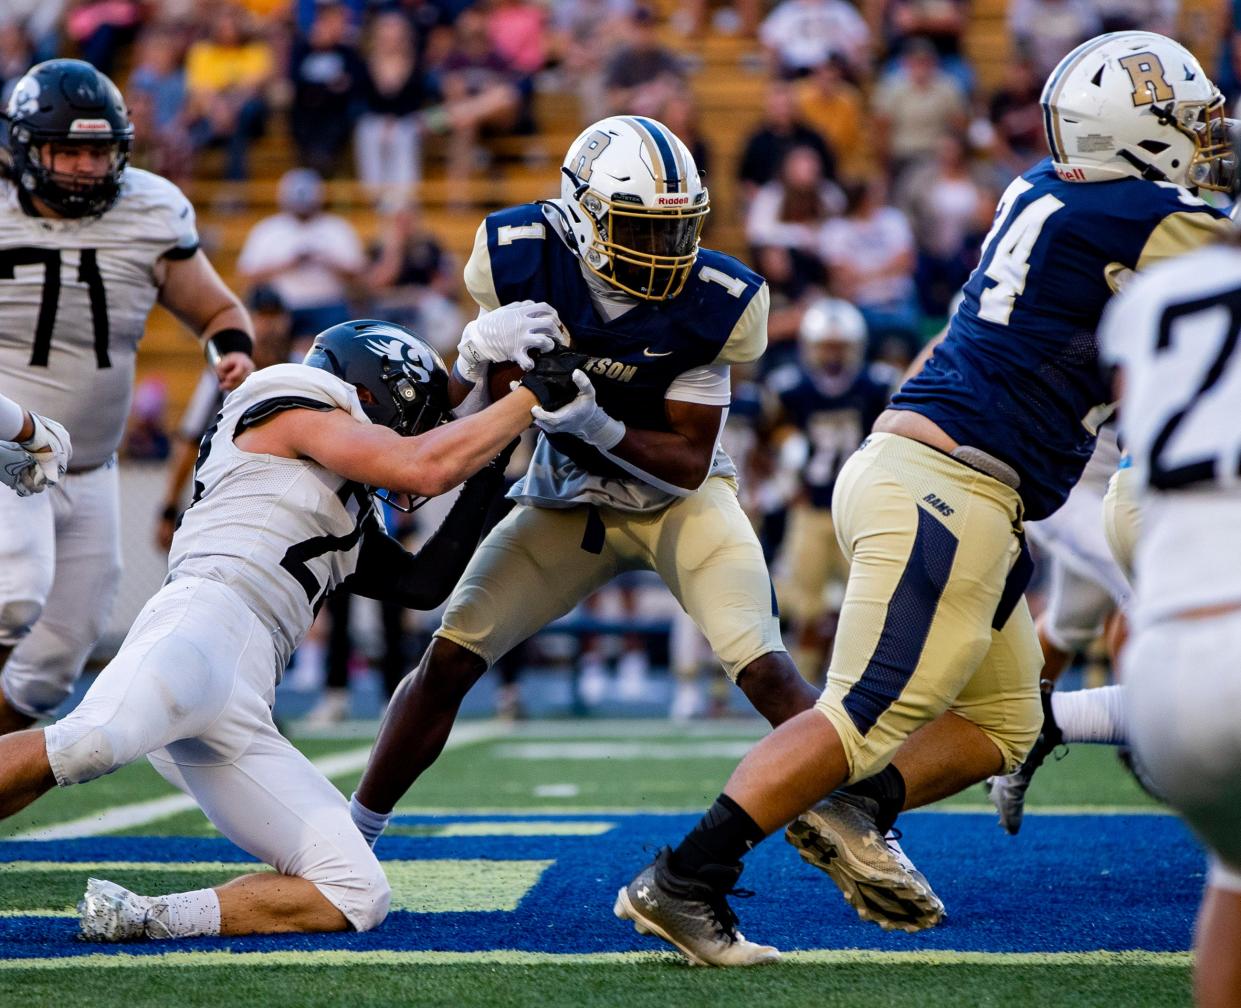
x=609 y=368
x=939 y=505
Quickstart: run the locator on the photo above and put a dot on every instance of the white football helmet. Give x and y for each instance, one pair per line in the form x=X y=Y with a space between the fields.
x=1139 y=105
x=832 y=336
x=635 y=205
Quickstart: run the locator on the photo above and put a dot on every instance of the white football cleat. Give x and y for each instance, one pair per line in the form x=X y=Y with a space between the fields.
x=111 y=913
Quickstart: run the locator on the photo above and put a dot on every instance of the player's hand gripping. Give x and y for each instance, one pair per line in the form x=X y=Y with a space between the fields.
x=232 y=369
x=510 y=333
x=33 y=465
x=551 y=377
x=583 y=417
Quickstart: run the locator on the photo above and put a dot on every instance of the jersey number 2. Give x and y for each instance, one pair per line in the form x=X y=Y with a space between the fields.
x=88 y=273
x=1013 y=243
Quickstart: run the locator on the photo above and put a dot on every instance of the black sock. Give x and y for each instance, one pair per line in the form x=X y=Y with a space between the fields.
x=721 y=837
x=887 y=789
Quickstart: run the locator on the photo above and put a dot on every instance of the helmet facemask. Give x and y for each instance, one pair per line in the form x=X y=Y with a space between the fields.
x=68 y=194
x=1213 y=164
x=647 y=252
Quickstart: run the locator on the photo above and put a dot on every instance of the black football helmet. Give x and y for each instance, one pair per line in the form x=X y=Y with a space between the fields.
x=67 y=101
x=404 y=375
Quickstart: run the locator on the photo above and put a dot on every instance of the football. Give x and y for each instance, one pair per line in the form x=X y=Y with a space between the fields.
x=499 y=376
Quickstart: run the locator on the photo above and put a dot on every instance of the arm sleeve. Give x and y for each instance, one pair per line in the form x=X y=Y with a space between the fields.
x=478 y=280
x=748 y=339
x=423 y=580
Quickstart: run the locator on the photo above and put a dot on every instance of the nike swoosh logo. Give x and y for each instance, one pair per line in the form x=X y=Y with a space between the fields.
x=648 y=352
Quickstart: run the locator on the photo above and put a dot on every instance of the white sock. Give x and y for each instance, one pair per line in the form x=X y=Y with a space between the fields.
x=370 y=824
x=1091 y=715
x=184 y=915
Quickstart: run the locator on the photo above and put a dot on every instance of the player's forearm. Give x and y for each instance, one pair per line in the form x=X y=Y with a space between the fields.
x=16 y=424
x=438 y=460
x=184 y=453
x=664 y=459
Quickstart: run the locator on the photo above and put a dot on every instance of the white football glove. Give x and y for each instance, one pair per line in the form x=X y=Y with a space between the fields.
x=50 y=446
x=20 y=471
x=509 y=333
x=583 y=418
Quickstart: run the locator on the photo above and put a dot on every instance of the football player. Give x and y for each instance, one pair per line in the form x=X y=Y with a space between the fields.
x=935 y=643
x=34 y=451
x=87 y=245
x=1174 y=335
x=282 y=516
x=630 y=475
x=830 y=400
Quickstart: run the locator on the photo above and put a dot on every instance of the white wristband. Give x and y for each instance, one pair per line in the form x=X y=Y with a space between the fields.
x=608 y=435
x=12 y=419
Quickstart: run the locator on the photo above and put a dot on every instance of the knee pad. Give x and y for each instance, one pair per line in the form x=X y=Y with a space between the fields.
x=1016 y=739
x=37 y=692
x=16 y=619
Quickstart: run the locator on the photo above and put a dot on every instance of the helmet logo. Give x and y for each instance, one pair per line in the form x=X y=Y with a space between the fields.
x=1148 y=77
x=26 y=98
x=404 y=350
x=588 y=153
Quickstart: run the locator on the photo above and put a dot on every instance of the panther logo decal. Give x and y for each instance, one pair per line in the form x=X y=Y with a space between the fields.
x=25 y=100
x=402 y=348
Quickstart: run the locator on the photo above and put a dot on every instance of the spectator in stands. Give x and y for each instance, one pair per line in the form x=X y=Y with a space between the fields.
x=679 y=113
x=415 y=282
x=271 y=346
x=16 y=56
x=642 y=73
x=584 y=33
x=870 y=256
x=329 y=80
x=1016 y=118
x=309 y=256
x=941 y=22
x=1046 y=30
x=481 y=94
x=833 y=108
x=227 y=74
x=385 y=142
x=40 y=22
x=949 y=205
x=158 y=105
x=146 y=436
x=800 y=34
x=785 y=222
x=102 y=28
x=915 y=107
x=1141 y=15
x=518 y=31
x=779 y=132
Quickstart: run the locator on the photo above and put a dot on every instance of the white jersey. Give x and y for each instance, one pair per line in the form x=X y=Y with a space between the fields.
x=281 y=533
x=1174 y=331
x=74 y=300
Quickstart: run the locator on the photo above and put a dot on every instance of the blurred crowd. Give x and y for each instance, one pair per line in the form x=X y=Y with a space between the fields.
x=870 y=180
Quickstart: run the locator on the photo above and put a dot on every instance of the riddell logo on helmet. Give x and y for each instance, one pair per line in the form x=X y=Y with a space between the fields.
x=1071 y=174
x=90 y=126
x=679 y=199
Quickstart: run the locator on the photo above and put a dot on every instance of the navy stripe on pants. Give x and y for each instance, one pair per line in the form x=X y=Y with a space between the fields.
x=907 y=624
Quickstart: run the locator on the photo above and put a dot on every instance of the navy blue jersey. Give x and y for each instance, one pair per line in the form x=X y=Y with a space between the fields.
x=1018 y=373
x=833 y=425
x=633 y=358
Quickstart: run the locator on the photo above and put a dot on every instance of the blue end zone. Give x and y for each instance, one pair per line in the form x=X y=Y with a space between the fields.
x=1068 y=883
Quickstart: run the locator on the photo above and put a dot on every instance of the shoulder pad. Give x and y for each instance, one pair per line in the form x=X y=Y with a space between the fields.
x=160 y=210
x=515 y=244
x=292 y=386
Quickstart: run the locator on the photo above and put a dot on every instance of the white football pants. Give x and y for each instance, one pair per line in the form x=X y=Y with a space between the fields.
x=192 y=689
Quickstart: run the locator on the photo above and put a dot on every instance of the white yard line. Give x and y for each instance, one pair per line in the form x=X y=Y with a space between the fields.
x=342 y=957
x=122 y=817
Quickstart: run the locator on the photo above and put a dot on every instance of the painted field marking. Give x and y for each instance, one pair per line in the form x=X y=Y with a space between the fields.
x=341 y=957
x=122 y=817
x=442 y=885
x=503 y=828
x=622 y=750
x=672 y=810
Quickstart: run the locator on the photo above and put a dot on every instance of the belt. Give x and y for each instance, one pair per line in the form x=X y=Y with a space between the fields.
x=987 y=464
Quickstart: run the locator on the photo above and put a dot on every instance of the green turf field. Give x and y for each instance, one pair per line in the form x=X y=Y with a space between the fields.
x=510 y=848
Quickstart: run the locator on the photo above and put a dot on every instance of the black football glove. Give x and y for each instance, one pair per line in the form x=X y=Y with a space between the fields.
x=551 y=378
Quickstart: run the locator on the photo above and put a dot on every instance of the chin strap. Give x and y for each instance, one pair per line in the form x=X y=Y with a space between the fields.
x=1149 y=172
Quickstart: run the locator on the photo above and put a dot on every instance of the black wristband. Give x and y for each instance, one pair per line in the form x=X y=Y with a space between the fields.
x=228 y=341
x=170 y=512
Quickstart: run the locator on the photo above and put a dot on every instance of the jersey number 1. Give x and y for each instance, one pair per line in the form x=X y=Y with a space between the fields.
x=88 y=273
x=1013 y=243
